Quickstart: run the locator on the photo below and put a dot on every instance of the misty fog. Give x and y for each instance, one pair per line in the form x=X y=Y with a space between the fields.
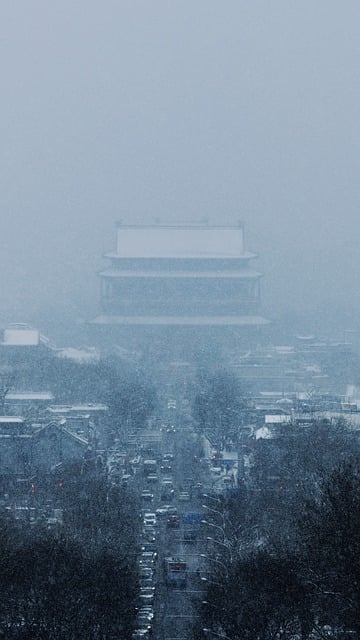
x=180 y=110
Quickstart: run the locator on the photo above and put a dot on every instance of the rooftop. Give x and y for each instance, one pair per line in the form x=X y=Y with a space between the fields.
x=28 y=396
x=21 y=337
x=179 y=241
x=180 y=320
x=168 y=273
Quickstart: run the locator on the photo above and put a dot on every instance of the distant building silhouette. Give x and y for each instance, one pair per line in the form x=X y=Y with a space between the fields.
x=180 y=277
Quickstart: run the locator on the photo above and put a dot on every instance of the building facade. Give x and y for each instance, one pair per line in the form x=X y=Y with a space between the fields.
x=182 y=276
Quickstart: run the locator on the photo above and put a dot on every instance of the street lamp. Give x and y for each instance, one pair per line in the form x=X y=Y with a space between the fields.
x=205 y=495
x=203 y=555
x=219 y=513
x=217 y=584
x=209 y=604
x=216 y=526
x=222 y=544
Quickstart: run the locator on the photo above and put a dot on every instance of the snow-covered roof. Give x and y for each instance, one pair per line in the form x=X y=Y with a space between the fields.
x=79 y=355
x=29 y=396
x=263 y=433
x=180 y=320
x=21 y=337
x=179 y=241
x=277 y=419
x=90 y=407
x=77 y=408
x=60 y=426
x=168 y=273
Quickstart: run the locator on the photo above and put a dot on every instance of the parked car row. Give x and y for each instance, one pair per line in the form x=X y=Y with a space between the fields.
x=155 y=488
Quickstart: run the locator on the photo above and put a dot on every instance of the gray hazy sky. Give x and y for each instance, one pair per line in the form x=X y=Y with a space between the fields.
x=139 y=109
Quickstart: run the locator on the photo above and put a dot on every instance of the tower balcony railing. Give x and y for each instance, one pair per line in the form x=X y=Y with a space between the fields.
x=191 y=306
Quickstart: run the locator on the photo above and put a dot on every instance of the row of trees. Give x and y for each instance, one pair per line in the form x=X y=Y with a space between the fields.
x=220 y=405
x=307 y=585
x=128 y=392
x=78 y=580
x=285 y=547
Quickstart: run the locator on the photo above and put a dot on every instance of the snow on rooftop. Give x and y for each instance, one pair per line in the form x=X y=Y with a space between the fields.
x=21 y=337
x=29 y=396
x=277 y=419
x=263 y=433
x=88 y=408
x=167 y=273
x=210 y=321
x=79 y=355
x=11 y=420
x=180 y=242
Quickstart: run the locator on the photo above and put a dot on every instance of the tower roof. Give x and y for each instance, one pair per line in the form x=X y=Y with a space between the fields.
x=180 y=241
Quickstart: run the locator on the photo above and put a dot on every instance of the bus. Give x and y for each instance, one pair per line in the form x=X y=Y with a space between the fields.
x=175 y=572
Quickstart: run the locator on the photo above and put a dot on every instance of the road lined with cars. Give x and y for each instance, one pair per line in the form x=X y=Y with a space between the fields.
x=170 y=483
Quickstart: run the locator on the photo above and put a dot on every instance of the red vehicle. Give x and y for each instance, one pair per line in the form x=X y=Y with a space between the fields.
x=175 y=572
x=173 y=522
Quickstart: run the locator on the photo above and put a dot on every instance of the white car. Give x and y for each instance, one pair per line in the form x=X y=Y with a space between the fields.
x=184 y=496
x=147 y=495
x=150 y=519
x=149 y=533
x=146 y=595
x=140 y=633
x=147 y=559
x=166 y=510
x=152 y=478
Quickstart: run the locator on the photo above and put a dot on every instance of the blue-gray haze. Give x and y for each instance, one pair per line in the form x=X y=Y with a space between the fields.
x=179 y=109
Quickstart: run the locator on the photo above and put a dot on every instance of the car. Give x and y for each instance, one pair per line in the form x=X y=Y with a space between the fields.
x=172 y=511
x=167 y=489
x=198 y=488
x=167 y=494
x=147 y=495
x=168 y=456
x=165 y=510
x=171 y=429
x=146 y=610
x=152 y=478
x=148 y=546
x=145 y=573
x=173 y=522
x=161 y=512
x=149 y=533
x=147 y=582
x=149 y=554
x=148 y=559
x=141 y=622
x=140 y=633
x=216 y=470
x=184 y=496
x=150 y=519
x=166 y=468
x=146 y=595
x=145 y=615
x=167 y=483
x=125 y=480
